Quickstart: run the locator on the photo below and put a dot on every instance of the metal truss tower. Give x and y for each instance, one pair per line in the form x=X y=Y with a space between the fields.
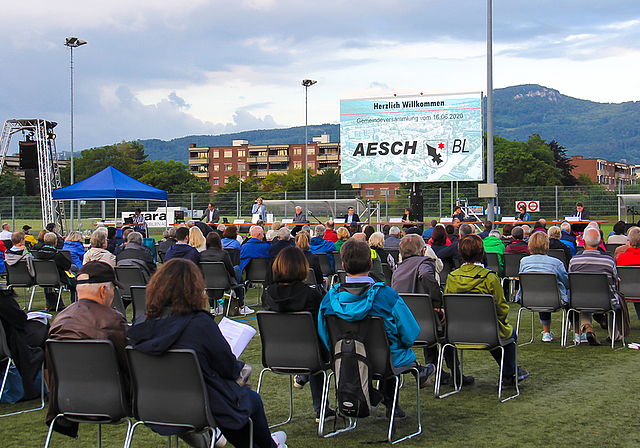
x=41 y=131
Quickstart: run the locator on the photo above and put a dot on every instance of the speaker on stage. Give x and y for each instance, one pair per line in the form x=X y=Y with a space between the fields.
x=416 y=201
x=31 y=182
x=28 y=155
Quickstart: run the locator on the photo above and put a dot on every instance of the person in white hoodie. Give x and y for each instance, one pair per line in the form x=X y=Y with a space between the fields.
x=98 y=251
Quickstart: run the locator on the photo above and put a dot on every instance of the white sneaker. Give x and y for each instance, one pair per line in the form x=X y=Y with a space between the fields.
x=547 y=336
x=246 y=310
x=581 y=338
x=220 y=310
x=280 y=437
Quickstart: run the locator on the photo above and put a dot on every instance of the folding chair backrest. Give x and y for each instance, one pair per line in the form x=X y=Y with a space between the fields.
x=589 y=292
x=630 y=281
x=138 y=300
x=216 y=277
x=117 y=303
x=560 y=255
x=388 y=274
x=342 y=276
x=512 y=264
x=257 y=270
x=422 y=309
x=88 y=380
x=234 y=254
x=395 y=253
x=493 y=262
x=324 y=264
x=129 y=276
x=611 y=247
x=446 y=269
x=472 y=320
x=168 y=389
x=66 y=254
x=311 y=277
x=375 y=341
x=46 y=273
x=18 y=275
x=540 y=291
x=337 y=261
x=290 y=342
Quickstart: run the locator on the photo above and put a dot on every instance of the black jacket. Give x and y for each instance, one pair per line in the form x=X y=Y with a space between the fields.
x=137 y=252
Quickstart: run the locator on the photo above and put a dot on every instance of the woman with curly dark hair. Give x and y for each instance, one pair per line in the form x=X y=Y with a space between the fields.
x=176 y=318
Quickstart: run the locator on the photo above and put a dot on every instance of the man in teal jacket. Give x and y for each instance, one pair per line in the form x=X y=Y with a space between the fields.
x=360 y=297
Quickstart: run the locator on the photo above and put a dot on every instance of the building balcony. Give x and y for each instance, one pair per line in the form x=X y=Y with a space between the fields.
x=199 y=161
x=201 y=174
x=328 y=157
x=279 y=159
x=262 y=173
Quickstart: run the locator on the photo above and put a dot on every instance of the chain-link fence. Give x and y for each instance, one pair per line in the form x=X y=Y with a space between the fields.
x=555 y=202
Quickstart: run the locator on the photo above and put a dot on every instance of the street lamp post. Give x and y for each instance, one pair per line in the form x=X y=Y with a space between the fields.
x=72 y=42
x=306 y=83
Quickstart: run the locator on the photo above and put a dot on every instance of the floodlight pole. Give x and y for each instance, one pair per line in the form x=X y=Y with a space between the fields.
x=72 y=42
x=490 y=178
x=306 y=83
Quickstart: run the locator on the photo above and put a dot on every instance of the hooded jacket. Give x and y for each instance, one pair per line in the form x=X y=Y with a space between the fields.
x=182 y=250
x=198 y=331
x=495 y=245
x=474 y=279
x=292 y=297
x=13 y=257
x=319 y=245
x=97 y=254
x=354 y=302
x=77 y=252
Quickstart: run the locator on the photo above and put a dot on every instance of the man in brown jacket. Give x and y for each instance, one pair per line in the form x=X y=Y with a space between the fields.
x=91 y=317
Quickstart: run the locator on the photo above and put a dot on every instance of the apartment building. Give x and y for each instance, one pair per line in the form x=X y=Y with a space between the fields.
x=217 y=163
x=604 y=172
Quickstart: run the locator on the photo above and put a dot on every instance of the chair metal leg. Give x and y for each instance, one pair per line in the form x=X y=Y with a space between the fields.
x=533 y=327
x=325 y=401
x=456 y=387
x=266 y=369
x=575 y=325
x=33 y=291
x=9 y=361
x=48 y=439
x=500 y=379
x=419 y=431
x=99 y=435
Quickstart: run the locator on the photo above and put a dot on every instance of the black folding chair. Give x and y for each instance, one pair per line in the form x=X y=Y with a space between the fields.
x=493 y=263
x=66 y=254
x=447 y=267
x=88 y=385
x=47 y=276
x=117 y=303
x=560 y=255
x=5 y=356
x=184 y=404
x=591 y=293
x=129 y=276
x=388 y=274
x=472 y=324
x=290 y=346
x=379 y=354
x=630 y=285
x=216 y=279
x=311 y=277
x=18 y=276
x=323 y=258
x=138 y=300
x=540 y=294
x=257 y=272
x=511 y=271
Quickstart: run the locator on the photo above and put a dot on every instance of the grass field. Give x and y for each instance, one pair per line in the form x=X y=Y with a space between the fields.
x=578 y=397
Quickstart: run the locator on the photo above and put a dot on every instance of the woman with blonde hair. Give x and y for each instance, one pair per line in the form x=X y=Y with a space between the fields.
x=302 y=241
x=74 y=245
x=196 y=239
x=343 y=235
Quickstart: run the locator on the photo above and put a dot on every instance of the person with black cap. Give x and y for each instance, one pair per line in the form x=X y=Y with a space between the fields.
x=29 y=239
x=51 y=227
x=91 y=317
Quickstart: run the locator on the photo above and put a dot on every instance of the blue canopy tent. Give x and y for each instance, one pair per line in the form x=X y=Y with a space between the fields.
x=110 y=184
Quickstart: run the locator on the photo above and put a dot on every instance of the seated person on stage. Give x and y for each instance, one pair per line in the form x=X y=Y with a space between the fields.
x=393 y=240
x=581 y=212
x=91 y=317
x=428 y=232
x=540 y=261
x=137 y=254
x=592 y=260
x=300 y=216
x=140 y=224
x=290 y=294
x=554 y=242
x=49 y=252
x=211 y=214
x=176 y=318
x=360 y=297
x=457 y=213
x=418 y=273
x=567 y=238
x=523 y=215
x=182 y=249
x=319 y=245
x=472 y=278
x=351 y=216
x=517 y=245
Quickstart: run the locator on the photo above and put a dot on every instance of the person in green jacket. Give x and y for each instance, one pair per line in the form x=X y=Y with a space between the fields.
x=494 y=244
x=473 y=278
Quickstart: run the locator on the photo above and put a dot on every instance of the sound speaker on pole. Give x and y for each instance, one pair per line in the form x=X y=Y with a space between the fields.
x=31 y=182
x=416 y=201
x=28 y=155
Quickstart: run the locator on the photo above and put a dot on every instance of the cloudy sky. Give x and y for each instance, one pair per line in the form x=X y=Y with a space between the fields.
x=166 y=69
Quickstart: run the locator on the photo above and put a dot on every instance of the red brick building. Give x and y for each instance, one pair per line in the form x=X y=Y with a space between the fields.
x=604 y=172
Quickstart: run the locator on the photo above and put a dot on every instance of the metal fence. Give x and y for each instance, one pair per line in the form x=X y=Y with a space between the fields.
x=555 y=202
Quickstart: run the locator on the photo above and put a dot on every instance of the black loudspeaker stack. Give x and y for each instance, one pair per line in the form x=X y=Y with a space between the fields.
x=28 y=155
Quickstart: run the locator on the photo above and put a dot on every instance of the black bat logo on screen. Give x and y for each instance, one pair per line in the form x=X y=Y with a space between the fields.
x=433 y=152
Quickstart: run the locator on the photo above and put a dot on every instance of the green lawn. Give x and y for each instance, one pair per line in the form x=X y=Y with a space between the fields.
x=578 y=397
